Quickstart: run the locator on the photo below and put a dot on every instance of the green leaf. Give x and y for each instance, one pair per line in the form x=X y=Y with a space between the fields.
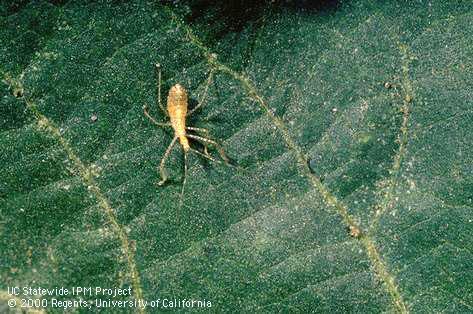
x=350 y=132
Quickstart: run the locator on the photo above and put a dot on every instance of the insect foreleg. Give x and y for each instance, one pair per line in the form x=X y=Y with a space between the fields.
x=161 y=124
x=162 y=171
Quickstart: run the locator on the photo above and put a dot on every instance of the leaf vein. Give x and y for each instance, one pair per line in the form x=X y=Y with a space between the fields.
x=88 y=180
x=402 y=139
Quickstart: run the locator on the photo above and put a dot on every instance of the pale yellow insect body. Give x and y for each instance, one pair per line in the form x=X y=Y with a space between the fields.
x=177 y=109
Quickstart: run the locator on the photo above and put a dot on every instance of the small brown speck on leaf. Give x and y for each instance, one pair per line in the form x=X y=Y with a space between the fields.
x=354 y=231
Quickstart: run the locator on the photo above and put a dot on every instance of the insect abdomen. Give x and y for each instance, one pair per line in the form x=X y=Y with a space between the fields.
x=177 y=108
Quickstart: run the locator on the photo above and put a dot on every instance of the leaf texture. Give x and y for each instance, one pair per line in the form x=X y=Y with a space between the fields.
x=350 y=132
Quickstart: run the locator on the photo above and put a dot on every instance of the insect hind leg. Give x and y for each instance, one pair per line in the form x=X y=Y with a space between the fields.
x=205 y=155
x=212 y=142
x=162 y=170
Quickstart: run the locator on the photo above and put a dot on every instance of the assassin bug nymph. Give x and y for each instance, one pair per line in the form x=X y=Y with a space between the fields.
x=177 y=111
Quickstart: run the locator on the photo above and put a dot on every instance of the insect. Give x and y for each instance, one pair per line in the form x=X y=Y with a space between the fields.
x=177 y=111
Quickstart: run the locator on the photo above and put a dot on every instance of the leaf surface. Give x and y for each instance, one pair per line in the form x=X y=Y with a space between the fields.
x=350 y=133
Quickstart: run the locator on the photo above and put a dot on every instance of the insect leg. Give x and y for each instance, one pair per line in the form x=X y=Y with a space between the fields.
x=162 y=171
x=161 y=124
x=191 y=128
x=202 y=130
x=158 y=71
x=205 y=155
x=204 y=94
x=206 y=140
